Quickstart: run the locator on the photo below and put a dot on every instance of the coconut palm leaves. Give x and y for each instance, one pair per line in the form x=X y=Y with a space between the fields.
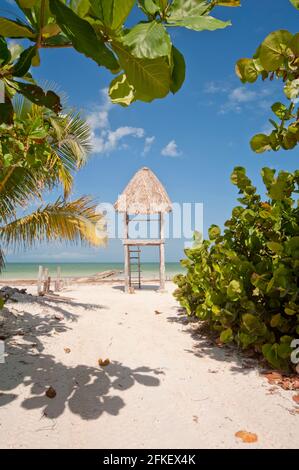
x=71 y=221
x=40 y=141
x=38 y=153
x=143 y=56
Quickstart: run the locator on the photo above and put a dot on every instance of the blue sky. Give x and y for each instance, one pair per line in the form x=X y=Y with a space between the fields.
x=191 y=140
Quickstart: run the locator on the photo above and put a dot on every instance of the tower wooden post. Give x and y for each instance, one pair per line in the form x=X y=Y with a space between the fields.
x=162 y=252
x=126 y=252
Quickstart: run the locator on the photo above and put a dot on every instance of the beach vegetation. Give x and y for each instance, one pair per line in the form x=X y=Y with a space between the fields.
x=243 y=281
x=143 y=59
x=277 y=57
x=40 y=153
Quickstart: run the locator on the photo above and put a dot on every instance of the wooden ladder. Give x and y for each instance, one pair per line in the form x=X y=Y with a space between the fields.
x=134 y=254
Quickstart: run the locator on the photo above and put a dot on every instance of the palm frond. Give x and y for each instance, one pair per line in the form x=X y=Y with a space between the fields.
x=74 y=221
x=2 y=260
x=18 y=186
x=72 y=140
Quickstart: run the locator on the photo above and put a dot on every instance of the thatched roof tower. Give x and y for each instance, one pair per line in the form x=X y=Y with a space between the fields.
x=144 y=194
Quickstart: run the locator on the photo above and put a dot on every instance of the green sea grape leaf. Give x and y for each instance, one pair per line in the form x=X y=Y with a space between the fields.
x=281 y=111
x=275 y=320
x=120 y=91
x=280 y=186
x=200 y=23
x=292 y=247
x=295 y=3
x=214 y=232
x=148 y=40
x=5 y=54
x=246 y=70
x=81 y=7
x=234 y=290
x=275 y=247
x=27 y=3
x=270 y=351
x=24 y=63
x=291 y=89
x=294 y=44
x=6 y=111
x=246 y=339
x=149 y=77
x=187 y=8
x=178 y=70
x=83 y=36
x=226 y=335
x=112 y=13
x=253 y=324
x=15 y=29
x=149 y=6
x=260 y=143
x=268 y=176
x=273 y=48
x=192 y=14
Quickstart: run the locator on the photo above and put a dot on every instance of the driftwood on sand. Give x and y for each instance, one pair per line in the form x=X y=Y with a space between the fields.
x=98 y=276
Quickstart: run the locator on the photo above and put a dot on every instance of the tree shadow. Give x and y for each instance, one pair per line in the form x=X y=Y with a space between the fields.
x=86 y=390
x=205 y=345
x=144 y=287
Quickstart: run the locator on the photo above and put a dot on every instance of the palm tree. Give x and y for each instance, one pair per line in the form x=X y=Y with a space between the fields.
x=40 y=152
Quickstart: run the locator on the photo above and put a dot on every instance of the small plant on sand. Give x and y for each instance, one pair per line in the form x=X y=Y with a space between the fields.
x=244 y=282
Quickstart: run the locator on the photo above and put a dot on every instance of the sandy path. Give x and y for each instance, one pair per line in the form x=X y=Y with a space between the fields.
x=163 y=388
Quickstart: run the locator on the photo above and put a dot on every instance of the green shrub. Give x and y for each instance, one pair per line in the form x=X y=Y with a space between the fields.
x=244 y=282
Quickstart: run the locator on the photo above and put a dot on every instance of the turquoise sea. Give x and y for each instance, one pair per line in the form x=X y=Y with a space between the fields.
x=30 y=270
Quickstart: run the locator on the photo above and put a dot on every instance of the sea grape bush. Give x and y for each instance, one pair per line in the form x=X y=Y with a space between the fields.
x=244 y=281
x=277 y=57
x=143 y=59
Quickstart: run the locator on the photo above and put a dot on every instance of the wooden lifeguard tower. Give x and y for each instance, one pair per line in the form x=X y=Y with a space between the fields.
x=144 y=195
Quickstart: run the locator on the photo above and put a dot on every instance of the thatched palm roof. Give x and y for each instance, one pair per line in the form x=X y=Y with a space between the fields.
x=144 y=194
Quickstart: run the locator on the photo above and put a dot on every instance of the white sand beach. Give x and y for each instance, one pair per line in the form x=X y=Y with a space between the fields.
x=165 y=386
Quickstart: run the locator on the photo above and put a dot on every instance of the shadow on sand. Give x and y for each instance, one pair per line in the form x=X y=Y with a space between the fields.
x=86 y=390
x=144 y=287
x=205 y=344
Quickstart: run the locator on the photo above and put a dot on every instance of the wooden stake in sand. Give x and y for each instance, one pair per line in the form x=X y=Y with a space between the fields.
x=39 y=280
x=58 y=279
x=45 y=280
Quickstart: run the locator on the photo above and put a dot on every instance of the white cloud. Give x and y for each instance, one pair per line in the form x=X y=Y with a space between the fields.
x=237 y=97
x=171 y=150
x=148 y=142
x=212 y=88
x=242 y=95
x=99 y=118
x=106 y=140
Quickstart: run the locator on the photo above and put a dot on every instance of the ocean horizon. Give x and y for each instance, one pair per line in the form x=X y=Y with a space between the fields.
x=25 y=270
